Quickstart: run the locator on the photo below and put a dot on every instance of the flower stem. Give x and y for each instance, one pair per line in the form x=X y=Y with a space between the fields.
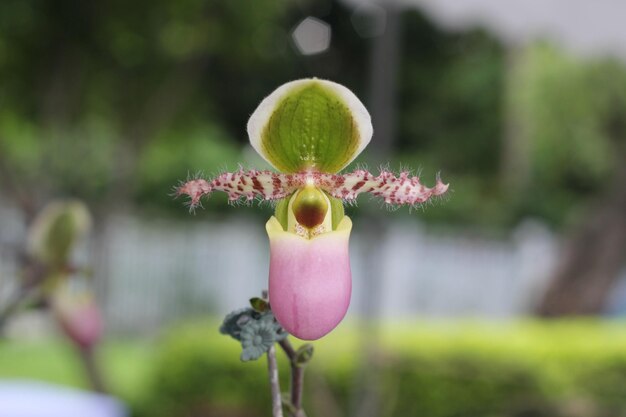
x=272 y=367
x=10 y=308
x=297 y=379
x=87 y=356
x=22 y=297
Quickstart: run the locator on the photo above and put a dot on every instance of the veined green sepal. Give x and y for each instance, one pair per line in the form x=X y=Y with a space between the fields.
x=310 y=124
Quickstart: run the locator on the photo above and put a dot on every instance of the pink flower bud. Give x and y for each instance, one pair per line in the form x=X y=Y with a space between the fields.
x=79 y=318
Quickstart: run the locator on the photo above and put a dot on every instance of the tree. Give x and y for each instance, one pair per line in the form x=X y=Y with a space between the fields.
x=90 y=89
x=573 y=115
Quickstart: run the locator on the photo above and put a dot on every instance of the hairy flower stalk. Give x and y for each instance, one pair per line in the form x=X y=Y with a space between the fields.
x=310 y=130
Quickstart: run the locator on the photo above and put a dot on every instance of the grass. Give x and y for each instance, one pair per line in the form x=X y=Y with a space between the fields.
x=127 y=365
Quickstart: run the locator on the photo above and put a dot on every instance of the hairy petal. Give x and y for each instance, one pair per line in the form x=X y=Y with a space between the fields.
x=238 y=185
x=395 y=190
x=267 y=185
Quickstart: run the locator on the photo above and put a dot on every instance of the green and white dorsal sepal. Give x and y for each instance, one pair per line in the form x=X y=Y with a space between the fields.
x=310 y=125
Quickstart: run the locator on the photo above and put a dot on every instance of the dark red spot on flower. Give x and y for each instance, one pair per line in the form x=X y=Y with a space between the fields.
x=256 y=184
x=358 y=185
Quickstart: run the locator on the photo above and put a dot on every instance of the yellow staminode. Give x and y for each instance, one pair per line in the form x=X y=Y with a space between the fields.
x=308 y=212
x=310 y=207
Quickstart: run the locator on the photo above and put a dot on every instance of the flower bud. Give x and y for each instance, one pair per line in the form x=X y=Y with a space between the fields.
x=56 y=230
x=79 y=316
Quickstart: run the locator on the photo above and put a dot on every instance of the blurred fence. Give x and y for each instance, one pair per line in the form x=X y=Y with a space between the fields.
x=12 y=236
x=152 y=272
x=160 y=271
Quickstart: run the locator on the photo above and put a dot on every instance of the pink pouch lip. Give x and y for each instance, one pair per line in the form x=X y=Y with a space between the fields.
x=310 y=281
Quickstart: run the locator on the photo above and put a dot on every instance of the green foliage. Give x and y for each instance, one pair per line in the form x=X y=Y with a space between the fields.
x=450 y=99
x=183 y=152
x=572 y=115
x=90 y=91
x=202 y=370
x=126 y=365
x=426 y=369
x=450 y=118
x=568 y=104
x=431 y=369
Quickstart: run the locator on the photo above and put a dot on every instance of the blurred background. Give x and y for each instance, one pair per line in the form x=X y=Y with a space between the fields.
x=503 y=299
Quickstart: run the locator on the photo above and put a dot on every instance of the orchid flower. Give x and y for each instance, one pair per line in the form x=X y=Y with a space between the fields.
x=78 y=315
x=310 y=130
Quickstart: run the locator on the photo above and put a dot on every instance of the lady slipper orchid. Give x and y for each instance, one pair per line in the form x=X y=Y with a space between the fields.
x=78 y=315
x=310 y=130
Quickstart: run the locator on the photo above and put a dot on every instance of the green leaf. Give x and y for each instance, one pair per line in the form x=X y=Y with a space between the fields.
x=260 y=305
x=304 y=354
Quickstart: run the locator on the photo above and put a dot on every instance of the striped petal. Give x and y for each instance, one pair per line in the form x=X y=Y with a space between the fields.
x=309 y=280
x=240 y=185
x=310 y=125
x=399 y=190
x=394 y=190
